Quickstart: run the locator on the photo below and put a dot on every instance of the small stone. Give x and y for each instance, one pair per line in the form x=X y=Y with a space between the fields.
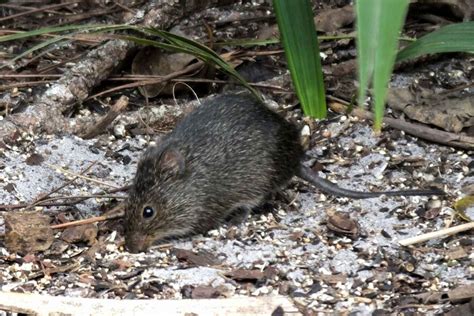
x=34 y=160
x=119 y=130
x=315 y=288
x=205 y=292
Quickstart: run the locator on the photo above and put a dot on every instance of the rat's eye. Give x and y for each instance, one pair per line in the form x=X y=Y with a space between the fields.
x=148 y=212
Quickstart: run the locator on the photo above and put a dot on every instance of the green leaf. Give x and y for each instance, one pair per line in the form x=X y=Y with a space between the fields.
x=300 y=42
x=462 y=205
x=457 y=37
x=378 y=27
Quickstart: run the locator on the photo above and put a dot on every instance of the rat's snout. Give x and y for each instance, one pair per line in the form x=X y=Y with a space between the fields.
x=136 y=242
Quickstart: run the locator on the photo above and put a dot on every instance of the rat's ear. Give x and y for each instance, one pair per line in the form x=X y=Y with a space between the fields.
x=171 y=163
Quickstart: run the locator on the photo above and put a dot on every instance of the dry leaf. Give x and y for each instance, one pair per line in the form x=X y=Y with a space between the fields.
x=27 y=232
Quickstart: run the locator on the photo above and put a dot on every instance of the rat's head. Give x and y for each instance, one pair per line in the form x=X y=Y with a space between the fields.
x=157 y=207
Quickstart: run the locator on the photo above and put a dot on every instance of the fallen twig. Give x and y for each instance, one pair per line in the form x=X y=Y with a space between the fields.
x=418 y=130
x=436 y=234
x=102 y=124
x=187 y=70
x=45 y=196
x=48 y=305
x=455 y=296
x=75 y=200
x=36 y=10
x=114 y=213
x=23 y=84
x=62 y=170
x=76 y=84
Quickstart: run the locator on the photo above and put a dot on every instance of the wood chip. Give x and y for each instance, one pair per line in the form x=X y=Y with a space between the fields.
x=333 y=278
x=456 y=253
x=27 y=232
x=246 y=275
x=205 y=292
x=201 y=259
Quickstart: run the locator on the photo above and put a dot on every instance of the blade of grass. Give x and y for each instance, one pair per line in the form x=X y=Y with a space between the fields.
x=457 y=37
x=52 y=30
x=378 y=27
x=54 y=40
x=41 y=45
x=300 y=42
x=176 y=43
x=193 y=48
x=204 y=53
x=366 y=44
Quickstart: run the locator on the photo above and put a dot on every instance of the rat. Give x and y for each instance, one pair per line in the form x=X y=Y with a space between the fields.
x=220 y=161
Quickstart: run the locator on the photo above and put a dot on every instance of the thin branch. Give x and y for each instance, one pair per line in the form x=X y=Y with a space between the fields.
x=45 y=196
x=82 y=177
x=36 y=304
x=111 y=115
x=36 y=10
x=418 y=130
x=440 y=233
x=16 y=76
x=189 y=69
x=23 y=84
x=115 y=213
x=75 y=199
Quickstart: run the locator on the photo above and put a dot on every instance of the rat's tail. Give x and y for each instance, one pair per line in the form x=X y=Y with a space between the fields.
x=328 y=187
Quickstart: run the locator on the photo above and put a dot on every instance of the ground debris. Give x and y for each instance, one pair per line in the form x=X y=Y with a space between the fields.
x=242 y=275
x=199 y=259
x=27 y=232
x=83 y=233
x=323 y=253
x=342 y=223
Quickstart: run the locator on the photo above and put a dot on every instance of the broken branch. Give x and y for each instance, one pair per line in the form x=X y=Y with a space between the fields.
x=421 y=131
x=111 y=115
x=440 y=233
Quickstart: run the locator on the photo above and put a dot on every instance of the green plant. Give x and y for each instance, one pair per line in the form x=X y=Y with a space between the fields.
x=458 y=37
x=300 y=42
x=168 y=41
x=378 y=30
x=378 y=27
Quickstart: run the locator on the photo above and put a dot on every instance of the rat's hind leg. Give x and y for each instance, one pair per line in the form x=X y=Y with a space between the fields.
x=259 y=206
x=237 y=216
x=241 y=214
